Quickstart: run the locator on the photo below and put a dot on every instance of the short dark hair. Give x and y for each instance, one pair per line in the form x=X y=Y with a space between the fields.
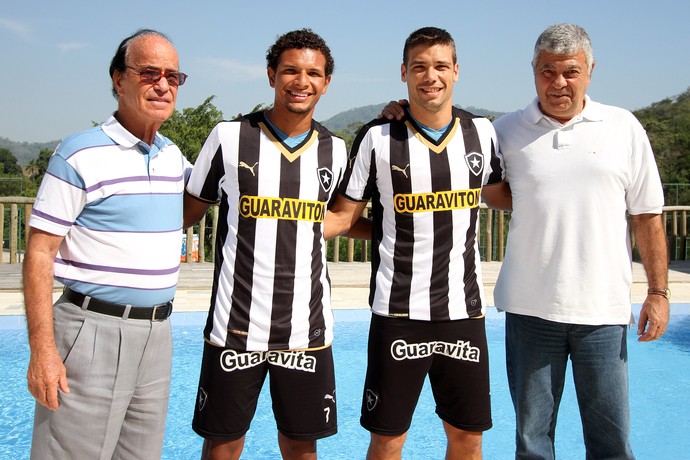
x=118 y=63
x=429 y=36
x=299 y=39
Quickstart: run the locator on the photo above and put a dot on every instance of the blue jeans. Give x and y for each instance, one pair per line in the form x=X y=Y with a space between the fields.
x=537 y=354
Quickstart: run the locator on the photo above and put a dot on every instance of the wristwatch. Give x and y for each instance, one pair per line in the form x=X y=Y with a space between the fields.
x=666 y=292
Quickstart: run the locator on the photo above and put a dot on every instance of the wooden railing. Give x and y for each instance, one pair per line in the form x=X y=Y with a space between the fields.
x=16 y=225
x=676 y=228
x=492 y=237
x=15 y=212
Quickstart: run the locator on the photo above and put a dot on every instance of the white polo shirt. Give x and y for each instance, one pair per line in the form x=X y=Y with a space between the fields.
x=568 y=255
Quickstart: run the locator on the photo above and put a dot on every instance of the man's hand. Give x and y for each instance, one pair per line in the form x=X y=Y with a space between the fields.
x=651 y=243
x=394 y=110
x=46 y=373
x=653 y=318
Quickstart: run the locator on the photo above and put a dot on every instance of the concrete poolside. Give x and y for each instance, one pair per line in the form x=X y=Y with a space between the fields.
x=350 y=285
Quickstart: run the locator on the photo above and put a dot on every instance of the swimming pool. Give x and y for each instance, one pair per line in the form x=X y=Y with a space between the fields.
x=659 y=394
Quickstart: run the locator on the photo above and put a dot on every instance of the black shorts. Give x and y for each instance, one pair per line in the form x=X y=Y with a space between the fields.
x=302 y=387
x=402 y=352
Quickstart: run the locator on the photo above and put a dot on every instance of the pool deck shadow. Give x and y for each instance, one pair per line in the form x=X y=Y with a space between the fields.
x=350 y=285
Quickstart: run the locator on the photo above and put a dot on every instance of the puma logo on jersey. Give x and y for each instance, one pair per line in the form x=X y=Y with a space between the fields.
x=402 y=170
x=250 y=168
x=327 y=410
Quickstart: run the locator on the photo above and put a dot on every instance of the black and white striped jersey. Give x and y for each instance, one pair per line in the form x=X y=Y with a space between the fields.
x=271 y=289
x=425 y=207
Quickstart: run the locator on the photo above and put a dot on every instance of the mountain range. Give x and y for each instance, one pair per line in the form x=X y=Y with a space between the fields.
x=27 y=151
x=369 y=112
x=24 y=152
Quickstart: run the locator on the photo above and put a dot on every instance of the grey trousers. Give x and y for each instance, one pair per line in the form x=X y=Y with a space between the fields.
x=118 y=372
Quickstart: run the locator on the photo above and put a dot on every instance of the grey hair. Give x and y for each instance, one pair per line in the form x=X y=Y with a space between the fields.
x=118 y=63
x=564 y=39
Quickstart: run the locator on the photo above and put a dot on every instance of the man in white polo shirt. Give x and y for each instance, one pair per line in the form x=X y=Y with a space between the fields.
x=575 y=168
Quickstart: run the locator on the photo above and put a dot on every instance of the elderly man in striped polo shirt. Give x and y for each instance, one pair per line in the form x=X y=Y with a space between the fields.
x=107 y=224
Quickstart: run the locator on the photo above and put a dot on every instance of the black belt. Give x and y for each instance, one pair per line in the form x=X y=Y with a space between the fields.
x=155 y=313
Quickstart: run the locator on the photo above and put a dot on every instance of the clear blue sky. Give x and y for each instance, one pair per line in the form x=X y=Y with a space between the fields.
x=55 y=55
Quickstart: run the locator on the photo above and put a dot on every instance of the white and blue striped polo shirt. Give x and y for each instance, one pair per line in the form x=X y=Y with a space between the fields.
x=118 y=203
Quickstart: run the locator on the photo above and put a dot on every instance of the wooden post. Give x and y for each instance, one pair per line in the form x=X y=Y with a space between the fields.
x=202 y=238
x=14 y=223
x=676 y=238
x=501 y=236
x=2 y=232
x=215 y=212
x=489 y=234
x=684 y=232
x=350 y=250
x=189 y=246
x=336 y=249
x=27 y=216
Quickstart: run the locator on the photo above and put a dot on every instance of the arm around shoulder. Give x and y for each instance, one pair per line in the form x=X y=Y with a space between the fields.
x=498 y=196
x=345 y=216
x=194 y=209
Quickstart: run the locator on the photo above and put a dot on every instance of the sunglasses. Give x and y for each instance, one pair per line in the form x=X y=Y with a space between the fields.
x=152 y=75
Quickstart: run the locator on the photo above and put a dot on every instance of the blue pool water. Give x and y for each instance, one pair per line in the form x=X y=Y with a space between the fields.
x=659 y=393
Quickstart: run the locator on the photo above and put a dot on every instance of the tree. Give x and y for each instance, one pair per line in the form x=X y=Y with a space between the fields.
x=190 y=128
x=8 y=163
x=349 y=133
x=11 y=178
x=38 y=166
x=667 y=123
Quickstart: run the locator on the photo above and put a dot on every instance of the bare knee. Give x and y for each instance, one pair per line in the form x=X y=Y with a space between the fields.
x=292 y=449
x=463 y=444
x=222 y=450
x=385 y=447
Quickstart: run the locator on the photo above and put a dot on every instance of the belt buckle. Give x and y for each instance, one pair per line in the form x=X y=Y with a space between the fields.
x=163 y=306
